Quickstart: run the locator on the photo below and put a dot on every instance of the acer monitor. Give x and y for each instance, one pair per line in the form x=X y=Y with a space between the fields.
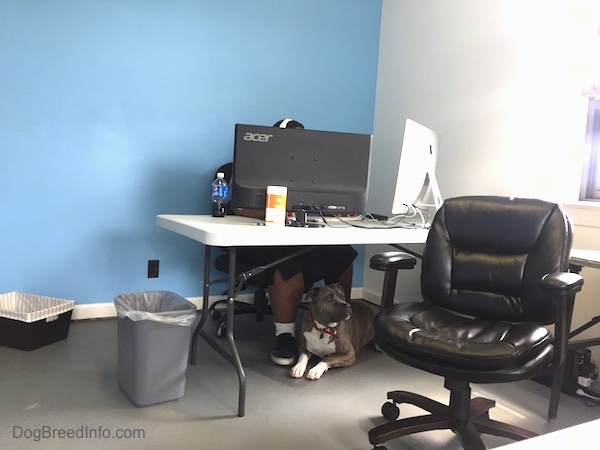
x=416 y=169
x=325 y=172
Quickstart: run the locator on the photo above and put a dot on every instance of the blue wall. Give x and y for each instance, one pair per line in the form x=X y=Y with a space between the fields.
x=114 y=111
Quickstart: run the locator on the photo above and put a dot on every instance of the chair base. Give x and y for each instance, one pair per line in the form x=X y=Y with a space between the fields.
x=260 y=307
x=466 y=417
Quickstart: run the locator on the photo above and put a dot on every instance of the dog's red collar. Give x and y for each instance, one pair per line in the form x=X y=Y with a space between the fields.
x=327 y=330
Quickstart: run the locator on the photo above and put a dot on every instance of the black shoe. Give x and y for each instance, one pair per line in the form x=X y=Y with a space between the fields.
x=284 y=353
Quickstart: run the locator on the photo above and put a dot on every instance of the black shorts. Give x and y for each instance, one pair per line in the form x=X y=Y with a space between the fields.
x=321 y=263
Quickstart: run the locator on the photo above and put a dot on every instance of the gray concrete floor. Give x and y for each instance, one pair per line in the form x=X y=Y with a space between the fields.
x=73 y=385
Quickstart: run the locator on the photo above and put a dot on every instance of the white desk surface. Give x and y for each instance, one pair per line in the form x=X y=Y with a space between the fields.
x=579 y=436
x=586 y=258
x=237 y=231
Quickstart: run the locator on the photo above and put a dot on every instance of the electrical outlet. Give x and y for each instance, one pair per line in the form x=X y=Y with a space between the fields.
x=153 y=268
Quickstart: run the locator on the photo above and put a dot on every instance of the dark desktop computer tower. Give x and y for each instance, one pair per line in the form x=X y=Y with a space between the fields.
x=577 y=364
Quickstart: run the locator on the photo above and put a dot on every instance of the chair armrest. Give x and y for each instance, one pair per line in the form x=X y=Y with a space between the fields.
x=562 y=283
x=392 y=261
x=562 y=286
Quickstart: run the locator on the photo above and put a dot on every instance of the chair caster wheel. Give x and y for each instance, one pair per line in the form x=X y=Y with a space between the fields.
x=222 y=329
x=214 y=314
x=390 y=411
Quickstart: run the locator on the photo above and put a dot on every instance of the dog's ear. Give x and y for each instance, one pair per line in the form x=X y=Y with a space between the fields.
x=312 y=292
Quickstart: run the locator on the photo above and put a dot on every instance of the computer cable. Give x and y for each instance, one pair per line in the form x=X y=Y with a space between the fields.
x=412 y=211
x=372 y=220
x=591 y=397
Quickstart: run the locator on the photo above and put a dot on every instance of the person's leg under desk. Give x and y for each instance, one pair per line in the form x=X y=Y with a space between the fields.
x=285 y=297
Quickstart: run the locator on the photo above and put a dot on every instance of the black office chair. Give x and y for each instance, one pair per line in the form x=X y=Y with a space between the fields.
x=260 y=305
x=493 y=274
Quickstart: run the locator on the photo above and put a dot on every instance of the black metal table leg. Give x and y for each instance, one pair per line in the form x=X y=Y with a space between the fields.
x=232 y=347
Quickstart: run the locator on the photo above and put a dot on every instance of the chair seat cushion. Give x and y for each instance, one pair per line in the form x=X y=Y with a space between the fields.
x=433 y=334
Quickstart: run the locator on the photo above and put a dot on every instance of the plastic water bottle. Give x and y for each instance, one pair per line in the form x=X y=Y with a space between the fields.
x=219 y=195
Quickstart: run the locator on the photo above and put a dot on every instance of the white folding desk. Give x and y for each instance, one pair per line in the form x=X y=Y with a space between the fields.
x=580 y=259
x=578 y=436
x=236 y=231
x=585 y=258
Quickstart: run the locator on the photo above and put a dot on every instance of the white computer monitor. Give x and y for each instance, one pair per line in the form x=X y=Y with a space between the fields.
x=416 y=169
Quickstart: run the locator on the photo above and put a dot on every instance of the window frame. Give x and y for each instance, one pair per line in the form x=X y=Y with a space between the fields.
x=590 y=179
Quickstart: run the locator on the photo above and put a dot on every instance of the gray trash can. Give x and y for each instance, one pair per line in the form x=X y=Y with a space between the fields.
x=154 y=332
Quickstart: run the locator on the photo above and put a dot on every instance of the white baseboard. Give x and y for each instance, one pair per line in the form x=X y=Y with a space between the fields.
x=370 y=296
x=107 y=310
x=94 y=311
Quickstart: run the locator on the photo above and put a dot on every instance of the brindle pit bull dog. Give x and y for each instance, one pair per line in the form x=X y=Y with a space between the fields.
x=332 y=329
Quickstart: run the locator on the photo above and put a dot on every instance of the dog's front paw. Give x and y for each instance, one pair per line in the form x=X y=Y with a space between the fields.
x=317 y=371
x=298 y=370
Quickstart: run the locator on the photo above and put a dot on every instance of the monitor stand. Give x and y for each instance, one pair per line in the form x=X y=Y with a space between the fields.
x=430 y=185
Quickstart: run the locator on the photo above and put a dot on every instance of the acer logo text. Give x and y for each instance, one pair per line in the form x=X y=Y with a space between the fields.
x=257 y=137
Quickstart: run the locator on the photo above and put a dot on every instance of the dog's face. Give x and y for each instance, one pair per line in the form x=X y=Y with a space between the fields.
x=328 y=304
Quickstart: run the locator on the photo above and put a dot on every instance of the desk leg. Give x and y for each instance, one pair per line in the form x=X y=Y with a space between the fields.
x=205 y=298
x=233 y=356
x=232 y=347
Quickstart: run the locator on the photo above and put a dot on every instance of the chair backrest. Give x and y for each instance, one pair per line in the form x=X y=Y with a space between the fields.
x=485 y=257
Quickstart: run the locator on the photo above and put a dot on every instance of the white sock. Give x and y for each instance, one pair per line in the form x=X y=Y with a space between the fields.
x=281 y=328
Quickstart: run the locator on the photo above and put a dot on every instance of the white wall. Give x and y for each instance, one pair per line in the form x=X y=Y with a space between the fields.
x=500 y=81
